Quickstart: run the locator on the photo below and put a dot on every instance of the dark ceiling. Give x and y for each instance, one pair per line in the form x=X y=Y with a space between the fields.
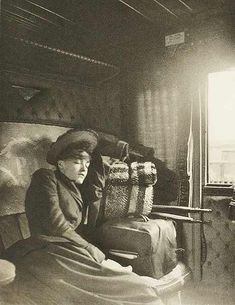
x=54 y=35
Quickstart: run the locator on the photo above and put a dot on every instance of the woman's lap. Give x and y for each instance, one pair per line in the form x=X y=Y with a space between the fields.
x=67 y=274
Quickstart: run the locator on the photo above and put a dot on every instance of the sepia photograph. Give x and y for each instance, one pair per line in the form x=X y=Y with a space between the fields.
x=117 y=152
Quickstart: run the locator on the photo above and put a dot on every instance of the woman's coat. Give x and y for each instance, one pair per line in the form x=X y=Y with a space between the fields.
x=55 y=266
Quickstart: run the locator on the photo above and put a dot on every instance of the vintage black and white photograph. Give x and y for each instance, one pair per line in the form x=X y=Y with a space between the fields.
x=117 y=152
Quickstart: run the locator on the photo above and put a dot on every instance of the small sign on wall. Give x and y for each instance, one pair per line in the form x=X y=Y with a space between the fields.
x=174 y=39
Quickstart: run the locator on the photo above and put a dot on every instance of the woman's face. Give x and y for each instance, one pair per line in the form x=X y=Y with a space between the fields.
x=75 y=169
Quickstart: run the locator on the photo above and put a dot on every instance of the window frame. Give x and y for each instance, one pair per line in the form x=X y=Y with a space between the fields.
x=216 y=189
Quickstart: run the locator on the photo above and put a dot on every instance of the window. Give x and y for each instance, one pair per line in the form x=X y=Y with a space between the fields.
x=221 y=127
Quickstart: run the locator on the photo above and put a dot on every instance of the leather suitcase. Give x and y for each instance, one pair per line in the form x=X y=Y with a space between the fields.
x=150 y=246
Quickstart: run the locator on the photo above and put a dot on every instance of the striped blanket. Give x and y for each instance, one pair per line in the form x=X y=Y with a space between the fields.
x=129 y=189
x=144 y=173
x=136 y=173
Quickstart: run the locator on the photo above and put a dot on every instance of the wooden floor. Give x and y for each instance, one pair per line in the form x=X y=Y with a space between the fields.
x=201 y=294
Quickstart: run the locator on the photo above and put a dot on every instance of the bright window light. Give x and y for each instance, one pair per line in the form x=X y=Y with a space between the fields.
x=221 y=127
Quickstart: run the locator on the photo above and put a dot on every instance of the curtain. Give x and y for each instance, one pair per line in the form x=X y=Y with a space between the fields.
x=157 y=114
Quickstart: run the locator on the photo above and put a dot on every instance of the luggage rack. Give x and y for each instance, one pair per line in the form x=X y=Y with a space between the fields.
x=81 y=68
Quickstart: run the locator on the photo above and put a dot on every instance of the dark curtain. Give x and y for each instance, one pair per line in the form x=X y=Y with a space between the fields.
x=157 y=114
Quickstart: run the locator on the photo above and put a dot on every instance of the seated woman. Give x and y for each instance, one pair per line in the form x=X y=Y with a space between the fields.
x=57 y=265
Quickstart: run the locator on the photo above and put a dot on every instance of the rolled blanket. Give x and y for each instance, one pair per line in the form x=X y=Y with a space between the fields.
x=116 y=201
x=129 y=189
x=143 y=173
x=122 y=200
x=118 y=174
x=141 y=199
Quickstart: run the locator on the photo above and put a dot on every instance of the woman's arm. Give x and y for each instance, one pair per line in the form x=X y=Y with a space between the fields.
x=93 y=186
x=42 y=205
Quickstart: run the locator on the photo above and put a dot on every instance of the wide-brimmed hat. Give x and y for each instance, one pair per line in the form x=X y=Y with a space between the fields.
x=83 y=139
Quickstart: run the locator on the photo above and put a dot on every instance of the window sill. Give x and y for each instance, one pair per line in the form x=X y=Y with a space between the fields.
x=218 y=190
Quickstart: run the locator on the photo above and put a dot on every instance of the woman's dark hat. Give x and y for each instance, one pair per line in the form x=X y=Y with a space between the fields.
x=83 y=139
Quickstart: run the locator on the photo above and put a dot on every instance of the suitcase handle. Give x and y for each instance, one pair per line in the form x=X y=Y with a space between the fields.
x=124 y=254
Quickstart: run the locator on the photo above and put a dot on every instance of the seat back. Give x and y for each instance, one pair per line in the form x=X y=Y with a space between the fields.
x=23 y=150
